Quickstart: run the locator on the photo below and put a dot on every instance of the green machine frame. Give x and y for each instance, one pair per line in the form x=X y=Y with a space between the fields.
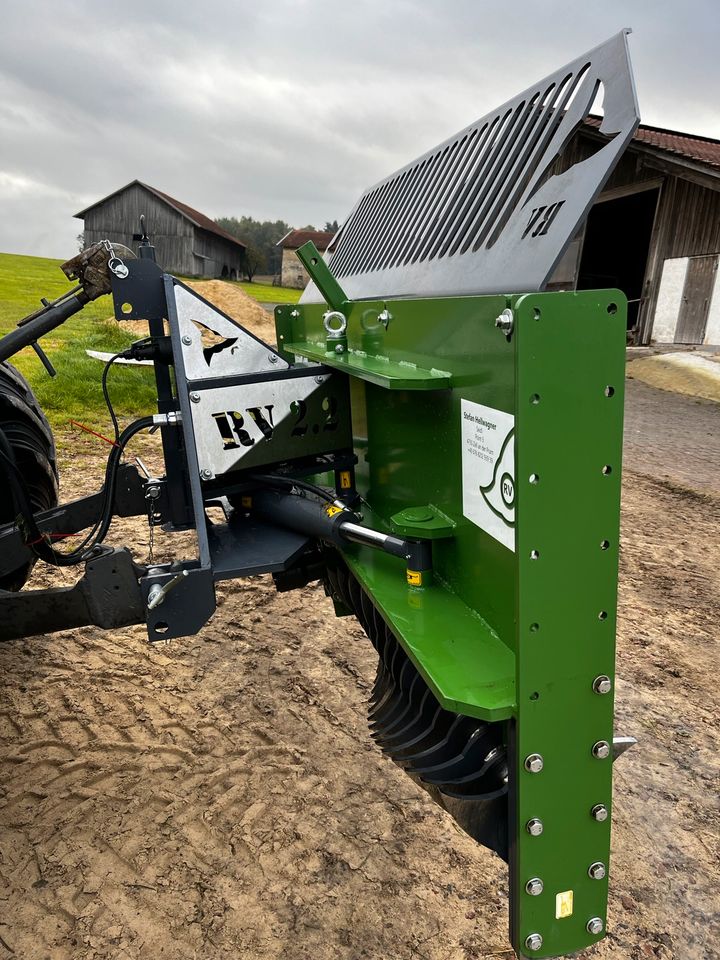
x=521 y=633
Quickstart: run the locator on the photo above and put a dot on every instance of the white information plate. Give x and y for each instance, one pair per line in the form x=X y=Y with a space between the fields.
x=488 y=470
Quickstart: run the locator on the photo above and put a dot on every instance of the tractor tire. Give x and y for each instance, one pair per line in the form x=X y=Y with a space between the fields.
x=460 y=761
x=31 y=439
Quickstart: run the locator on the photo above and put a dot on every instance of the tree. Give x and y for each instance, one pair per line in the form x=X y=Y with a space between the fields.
x=331 y=226
x=262 y=235
x=253 y=261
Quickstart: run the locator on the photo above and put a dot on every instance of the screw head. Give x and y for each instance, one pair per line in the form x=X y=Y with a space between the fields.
x=272 y=357
x=505 y=322
x=534 y=763
x=195 y=397
x=595 y=925
x=534 y=886
x=601 y=749
x=187 y=340
x=319 y=379
x=534 y=827
x=534 y=941
x=339 y=348
x=602 y=684
x=206 y=474
x=596 y=871
x=599 y=812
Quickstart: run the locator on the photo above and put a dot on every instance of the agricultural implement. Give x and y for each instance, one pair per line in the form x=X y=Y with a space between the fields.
x=437 y=437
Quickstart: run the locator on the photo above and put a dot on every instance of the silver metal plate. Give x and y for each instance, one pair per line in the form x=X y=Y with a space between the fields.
x=214 y=345
x=252 y=424
x=483 y=211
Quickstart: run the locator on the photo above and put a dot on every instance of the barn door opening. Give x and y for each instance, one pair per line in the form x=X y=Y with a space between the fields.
x=616 y=247
x=695 y=303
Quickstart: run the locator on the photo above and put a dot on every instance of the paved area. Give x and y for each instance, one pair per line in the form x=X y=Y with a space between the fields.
x=672 y=437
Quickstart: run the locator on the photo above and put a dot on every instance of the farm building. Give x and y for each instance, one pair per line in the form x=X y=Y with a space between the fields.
x=654 y=232
x=187 y=242
x=293 y=273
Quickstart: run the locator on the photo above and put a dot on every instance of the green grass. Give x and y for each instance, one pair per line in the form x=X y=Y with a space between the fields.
x=75 y=394
x=266 y=293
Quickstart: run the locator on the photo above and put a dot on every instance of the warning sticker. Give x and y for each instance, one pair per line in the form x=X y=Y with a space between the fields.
x=488 y=470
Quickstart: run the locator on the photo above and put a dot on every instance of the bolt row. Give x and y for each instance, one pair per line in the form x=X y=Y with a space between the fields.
x=595 y=925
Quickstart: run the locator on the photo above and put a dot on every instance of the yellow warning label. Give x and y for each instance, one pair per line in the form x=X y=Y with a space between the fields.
x=332 y=510
x=563 y=904
x=345 y=480
x=246 y=501
x=414 y=578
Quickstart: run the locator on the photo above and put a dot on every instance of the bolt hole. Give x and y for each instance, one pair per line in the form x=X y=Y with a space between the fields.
x=534 y=627
x=535 y=398
x=602 y=615
x=126 y=308
x=534 y=554
x=534 y=478
x=612 y=309
x=116 y=587
x=535 y=695
x=536 y=313
x=161 y=627
x=607 y=470
x=604 y=544
x=609 y=391
x=313 y=260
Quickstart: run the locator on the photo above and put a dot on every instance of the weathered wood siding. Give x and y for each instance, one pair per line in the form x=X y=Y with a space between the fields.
x=181 y=247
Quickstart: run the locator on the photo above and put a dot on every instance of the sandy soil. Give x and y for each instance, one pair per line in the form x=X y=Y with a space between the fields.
x=219 y=797
x=692 y=373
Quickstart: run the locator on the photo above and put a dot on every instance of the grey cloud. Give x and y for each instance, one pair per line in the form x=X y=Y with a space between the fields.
x=289 y=108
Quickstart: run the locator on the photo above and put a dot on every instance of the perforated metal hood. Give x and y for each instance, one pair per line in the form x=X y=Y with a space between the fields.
x=482 y=212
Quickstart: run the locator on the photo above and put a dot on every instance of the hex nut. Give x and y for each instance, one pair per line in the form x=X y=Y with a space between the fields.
x=534 y=941
x=601 y=749
x=595 y=925
x=534 y=886
x=596 y=871
x=602 y=684
x=599 y=812
x=187 y=340
x=206 y=474
x=534 y=763
x=534 y=827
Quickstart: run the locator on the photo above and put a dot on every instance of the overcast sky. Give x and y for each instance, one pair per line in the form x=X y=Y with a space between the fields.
x=290 y=108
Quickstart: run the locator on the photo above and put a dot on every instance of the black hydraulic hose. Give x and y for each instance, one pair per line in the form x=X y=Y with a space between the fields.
x=285 y=483
x=46 y=320
x=33 y=537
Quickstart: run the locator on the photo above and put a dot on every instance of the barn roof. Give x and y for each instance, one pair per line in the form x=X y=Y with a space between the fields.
x=194 y=216
x=703 y=150
x=296 y=238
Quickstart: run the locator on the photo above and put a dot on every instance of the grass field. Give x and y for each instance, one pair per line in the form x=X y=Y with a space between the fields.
x=266 y=293
x=75 y=393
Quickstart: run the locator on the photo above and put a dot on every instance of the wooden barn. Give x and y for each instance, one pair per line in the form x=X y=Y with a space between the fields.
x=292 y=272
x=186 y=241
x=654 y=232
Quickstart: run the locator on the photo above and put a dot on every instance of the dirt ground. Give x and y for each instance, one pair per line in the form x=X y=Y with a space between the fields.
x=219 y=797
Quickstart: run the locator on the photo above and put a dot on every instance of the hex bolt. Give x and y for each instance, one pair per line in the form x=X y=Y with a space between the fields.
x=534 y=763
x=534 y=941
x=602 y=684
x=505 y=322
x=187 y=340
x=206 y=474
x=534 y=886
x=595 y=925
x=272 y=358
x=319 y=379
x=339 y=348
x=599 y=812
x=601 y=749
x=596 y=871
x=195 y=397
x=534 y=827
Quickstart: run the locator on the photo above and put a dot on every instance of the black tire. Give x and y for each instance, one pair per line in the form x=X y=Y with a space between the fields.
x=26 y=428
